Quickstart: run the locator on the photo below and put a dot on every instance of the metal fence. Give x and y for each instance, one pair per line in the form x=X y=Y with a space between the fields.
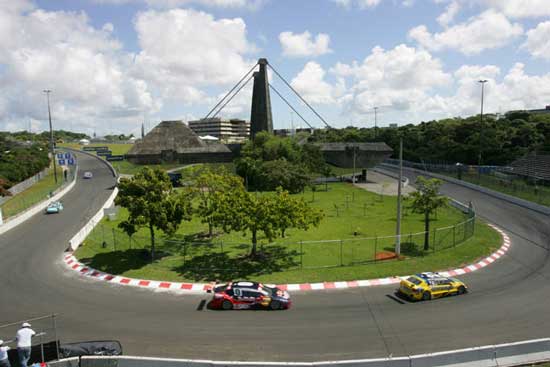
x=497 y=178
x=44 y=344
x=211 y=259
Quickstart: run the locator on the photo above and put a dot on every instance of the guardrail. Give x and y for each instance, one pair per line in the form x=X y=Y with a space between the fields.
x=109 y=165
x=79 y=237
x=511 y=199
x=511 y=354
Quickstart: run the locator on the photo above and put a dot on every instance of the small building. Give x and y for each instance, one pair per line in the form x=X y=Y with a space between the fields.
x=349 y=155
x=174 y=142
x=84 y=142
x=226 y=130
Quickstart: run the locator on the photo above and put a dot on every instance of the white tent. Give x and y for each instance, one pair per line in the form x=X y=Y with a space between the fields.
x=209 y=138
x=83 y=142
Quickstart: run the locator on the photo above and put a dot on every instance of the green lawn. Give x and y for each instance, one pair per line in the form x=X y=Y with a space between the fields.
x=127 y=168
x=33 y=195
x=360 y=219
x=117 y=149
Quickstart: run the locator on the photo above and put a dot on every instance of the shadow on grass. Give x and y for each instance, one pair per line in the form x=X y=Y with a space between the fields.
x=222 y=267
x=118 y=262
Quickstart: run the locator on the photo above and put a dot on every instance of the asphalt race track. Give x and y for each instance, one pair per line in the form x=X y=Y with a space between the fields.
x=508 y=300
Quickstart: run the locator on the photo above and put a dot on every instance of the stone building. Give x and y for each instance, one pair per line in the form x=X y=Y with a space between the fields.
x=174 y=142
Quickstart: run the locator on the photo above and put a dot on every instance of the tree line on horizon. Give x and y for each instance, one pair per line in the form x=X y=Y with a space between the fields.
x=457 y=139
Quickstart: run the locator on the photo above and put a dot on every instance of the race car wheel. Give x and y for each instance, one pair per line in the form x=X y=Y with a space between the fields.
x=426 y=296
x=227 y=305
x=275 y=305
x=461 y=290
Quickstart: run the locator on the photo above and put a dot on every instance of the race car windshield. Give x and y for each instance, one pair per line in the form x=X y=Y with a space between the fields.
x=220 y=288
x=270 y=291
x=414 y=280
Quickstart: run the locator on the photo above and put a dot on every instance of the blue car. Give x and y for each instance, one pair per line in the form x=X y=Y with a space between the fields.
x=54 y=207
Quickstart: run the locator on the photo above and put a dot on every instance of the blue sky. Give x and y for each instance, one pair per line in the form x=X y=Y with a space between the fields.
x=114 y=63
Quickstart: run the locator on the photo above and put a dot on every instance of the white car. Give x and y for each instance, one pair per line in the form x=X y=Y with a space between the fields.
x=88 y=175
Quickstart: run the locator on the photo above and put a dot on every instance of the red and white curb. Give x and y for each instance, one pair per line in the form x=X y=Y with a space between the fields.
x=197 y=288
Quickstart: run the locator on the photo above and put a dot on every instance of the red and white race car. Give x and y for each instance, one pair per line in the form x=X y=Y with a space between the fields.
x=246 y=295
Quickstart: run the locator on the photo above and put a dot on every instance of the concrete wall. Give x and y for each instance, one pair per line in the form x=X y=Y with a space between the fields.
x=183 y=158
x=344 y=158
x=23 y=185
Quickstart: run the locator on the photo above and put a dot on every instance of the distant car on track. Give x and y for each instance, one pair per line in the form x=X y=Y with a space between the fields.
x=426 y=286
x=88 y=175
x=247 y=295
x=54 y=207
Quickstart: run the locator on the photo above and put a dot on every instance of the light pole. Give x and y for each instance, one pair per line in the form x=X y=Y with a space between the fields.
x=479 y=161
x=52 y=147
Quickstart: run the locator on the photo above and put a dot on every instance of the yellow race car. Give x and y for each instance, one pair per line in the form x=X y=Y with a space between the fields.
x=426 y=286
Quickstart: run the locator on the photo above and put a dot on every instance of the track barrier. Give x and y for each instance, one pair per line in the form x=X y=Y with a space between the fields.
x=502 y=355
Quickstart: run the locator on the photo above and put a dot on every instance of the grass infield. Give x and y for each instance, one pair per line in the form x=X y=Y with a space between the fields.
x=359 y=218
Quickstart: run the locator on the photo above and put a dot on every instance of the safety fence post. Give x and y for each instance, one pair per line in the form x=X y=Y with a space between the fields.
x=375 y=247
x=454 y=235
x=341 y=252
x=55 y=336
x=301 y=254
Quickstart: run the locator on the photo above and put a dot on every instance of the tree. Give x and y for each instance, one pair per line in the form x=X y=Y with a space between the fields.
x=152 y=203
x=281 y=173
x=327 y=172
x=291 y=212
x=212 y=189
x=270 y=214
x=427 y=200
x=270 y=161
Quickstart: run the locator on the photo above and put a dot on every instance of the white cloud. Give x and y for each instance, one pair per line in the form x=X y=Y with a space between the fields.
x=485 y=31
x=61 y=51
x=311 y=84
x=521 y=8
x=516 y=90
x=450 y=12
x=400 y=78
x=303 y=44
x=184 y=50
x=538 y=41
x=363 y=4
x=250 y=4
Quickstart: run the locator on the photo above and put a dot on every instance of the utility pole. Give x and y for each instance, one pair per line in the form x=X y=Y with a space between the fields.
x=479 y=160
x=52 y=145
x=375 y=123
x=399 y=184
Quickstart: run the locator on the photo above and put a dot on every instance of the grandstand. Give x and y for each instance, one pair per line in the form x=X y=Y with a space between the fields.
x=533 y=166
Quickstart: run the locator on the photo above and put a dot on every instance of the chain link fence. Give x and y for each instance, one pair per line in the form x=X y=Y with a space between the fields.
x=496 y=178
x=211 y=259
